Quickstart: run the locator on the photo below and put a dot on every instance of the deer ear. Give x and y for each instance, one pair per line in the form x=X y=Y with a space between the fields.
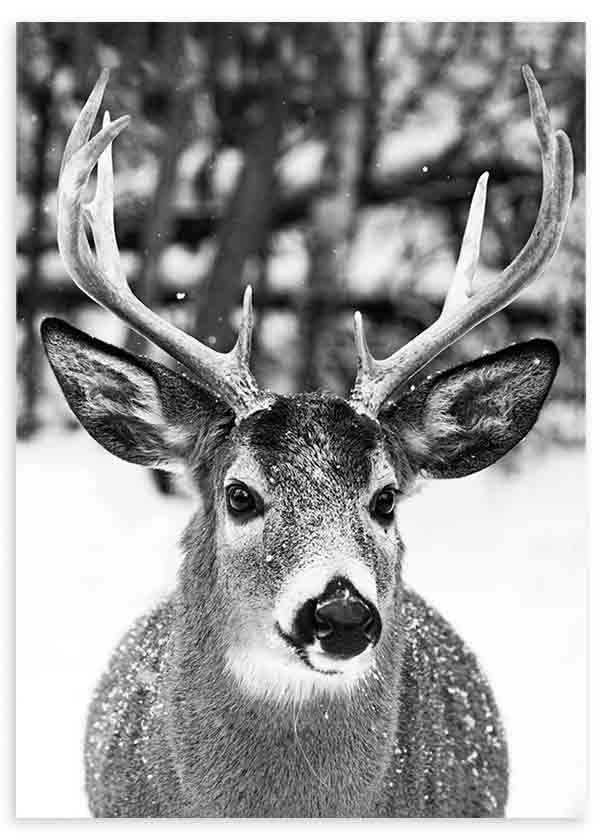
x=135 y=408
x=463 y=420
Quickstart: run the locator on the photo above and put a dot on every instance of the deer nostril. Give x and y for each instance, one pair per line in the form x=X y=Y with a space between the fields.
x=322 y=627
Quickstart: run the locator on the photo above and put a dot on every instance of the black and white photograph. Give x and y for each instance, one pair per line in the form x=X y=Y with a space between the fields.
x=301 y=465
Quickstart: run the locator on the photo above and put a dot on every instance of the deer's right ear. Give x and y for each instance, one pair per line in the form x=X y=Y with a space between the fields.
x=137 y=409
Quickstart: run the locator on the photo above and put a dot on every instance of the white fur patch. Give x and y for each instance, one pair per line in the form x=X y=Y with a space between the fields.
x=274 y=671
x=351 y=668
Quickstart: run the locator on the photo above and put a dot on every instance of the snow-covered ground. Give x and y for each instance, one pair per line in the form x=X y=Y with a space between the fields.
x=503 y=557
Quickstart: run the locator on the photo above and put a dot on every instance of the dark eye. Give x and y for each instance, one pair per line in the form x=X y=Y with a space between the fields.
x=240 y=500
x=383 y=503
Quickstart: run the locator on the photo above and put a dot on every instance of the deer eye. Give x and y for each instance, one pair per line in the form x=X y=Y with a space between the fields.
x=383 y=504
x=240 y=501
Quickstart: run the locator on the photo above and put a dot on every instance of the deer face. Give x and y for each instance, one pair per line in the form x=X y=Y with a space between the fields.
x=307 y=542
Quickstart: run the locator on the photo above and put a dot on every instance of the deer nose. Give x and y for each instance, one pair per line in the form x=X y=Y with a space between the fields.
x=344 y=622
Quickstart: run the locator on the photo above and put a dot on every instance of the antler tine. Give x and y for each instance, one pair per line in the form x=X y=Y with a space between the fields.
x=101 y=276
x=461 y=287
x=466 y=307
x=81 y=131
x=243 y=345
x=99 y=214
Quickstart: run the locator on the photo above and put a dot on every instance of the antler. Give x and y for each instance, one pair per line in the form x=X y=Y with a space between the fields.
x=464 y=307
x=101 y=276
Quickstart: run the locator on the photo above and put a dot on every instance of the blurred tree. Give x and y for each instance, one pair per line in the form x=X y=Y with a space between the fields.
x=33 y=87
x=333 y=211
x=170 y=67
x=244 y=230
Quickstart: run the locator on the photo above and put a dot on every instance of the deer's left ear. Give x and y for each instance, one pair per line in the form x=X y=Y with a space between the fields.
x=463 y=420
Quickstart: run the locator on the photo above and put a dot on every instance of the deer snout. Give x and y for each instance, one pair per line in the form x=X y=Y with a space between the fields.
x=342 y=620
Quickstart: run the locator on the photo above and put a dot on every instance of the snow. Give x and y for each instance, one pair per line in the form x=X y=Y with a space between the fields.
x=501 y=555
x=505 y=563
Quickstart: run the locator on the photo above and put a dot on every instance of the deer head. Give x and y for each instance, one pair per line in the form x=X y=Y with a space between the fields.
x=298 y=538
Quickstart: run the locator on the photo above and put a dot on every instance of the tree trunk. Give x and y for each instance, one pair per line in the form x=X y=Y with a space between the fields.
x=245 y=229
x=30 y=361
x=333 y=213
x=159 y=219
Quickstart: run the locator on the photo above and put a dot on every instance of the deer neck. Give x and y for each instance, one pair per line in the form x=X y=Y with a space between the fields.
x=237 y=755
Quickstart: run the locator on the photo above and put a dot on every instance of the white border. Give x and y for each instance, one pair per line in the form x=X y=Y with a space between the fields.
x=227 y=10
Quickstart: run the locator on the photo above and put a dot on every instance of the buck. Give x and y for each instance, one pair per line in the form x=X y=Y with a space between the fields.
x=292 y=673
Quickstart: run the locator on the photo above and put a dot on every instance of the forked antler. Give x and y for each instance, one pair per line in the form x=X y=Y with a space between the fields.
x=101 y=276
x=465 y=307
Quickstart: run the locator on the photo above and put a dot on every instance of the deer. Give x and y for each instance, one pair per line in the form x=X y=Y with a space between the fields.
x=292 y=672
